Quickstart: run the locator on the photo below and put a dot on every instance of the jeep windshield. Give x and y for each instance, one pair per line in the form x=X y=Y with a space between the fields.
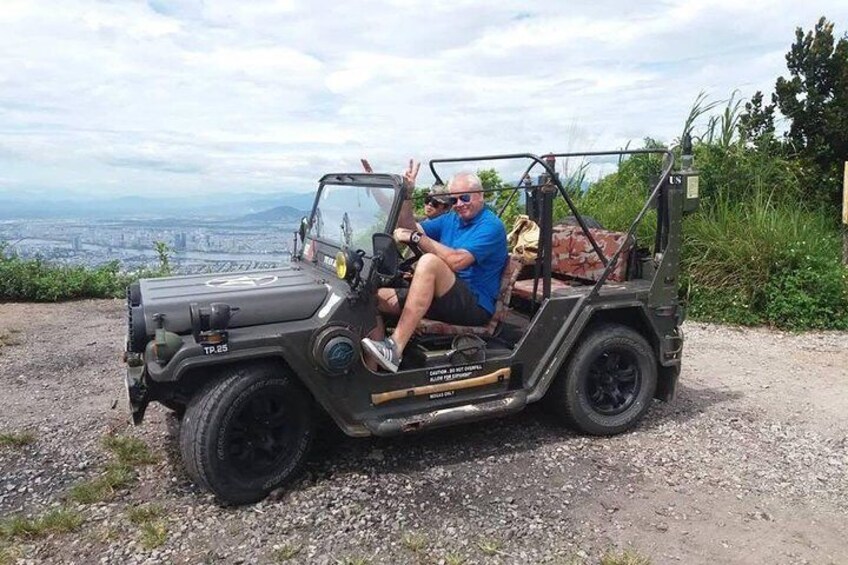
x=347 y=214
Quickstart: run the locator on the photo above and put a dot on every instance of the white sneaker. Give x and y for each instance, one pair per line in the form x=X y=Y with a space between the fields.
x=384 y=352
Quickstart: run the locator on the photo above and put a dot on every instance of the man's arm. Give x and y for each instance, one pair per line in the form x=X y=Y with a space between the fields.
x=382 y=200
x=456 y=259
x=406 y=219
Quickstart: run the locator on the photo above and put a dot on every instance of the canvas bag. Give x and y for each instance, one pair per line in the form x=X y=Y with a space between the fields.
x=523 y=239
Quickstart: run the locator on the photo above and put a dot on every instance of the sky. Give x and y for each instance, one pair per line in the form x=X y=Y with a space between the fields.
x=204 y=98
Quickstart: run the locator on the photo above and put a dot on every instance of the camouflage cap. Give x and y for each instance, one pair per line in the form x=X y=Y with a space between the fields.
x=439 y=193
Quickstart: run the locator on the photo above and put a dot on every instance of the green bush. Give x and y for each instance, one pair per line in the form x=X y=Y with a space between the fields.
x=36 y=280
x=617 y=199
x=39 y=281
x=807 y=292
x=737 y=173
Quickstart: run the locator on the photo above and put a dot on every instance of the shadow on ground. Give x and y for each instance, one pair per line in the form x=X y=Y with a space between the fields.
x=533 y=427
x=334 y=453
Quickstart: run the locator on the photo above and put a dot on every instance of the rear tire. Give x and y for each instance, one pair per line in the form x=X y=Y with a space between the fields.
x=609 y=382
x=247 y=433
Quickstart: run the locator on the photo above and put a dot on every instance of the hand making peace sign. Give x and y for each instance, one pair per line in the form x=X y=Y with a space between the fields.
x=410 y=174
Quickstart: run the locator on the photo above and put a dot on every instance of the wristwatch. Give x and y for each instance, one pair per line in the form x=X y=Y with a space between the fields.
x=415 y=237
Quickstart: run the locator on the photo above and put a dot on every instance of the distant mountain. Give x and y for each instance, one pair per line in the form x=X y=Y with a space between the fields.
x=285 y=214
x=212 y=207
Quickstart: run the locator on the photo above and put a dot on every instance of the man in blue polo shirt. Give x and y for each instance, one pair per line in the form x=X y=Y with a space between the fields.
x=457 y=278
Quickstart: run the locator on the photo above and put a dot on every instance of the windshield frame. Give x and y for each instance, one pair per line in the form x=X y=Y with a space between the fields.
x=358 y=180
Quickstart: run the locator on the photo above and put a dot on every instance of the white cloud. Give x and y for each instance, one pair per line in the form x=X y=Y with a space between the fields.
x=187 y=95
x=258 y=60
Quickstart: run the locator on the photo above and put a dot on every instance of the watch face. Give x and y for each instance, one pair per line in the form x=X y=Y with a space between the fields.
x=415 y=237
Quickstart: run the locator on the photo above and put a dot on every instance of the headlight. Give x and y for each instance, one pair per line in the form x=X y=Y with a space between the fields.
x=341 y=265
x=348 y=265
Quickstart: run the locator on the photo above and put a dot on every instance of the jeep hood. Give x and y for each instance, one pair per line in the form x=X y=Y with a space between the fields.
x=262 y=297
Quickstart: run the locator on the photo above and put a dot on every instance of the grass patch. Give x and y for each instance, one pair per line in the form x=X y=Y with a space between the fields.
x=414 y=542
x=489 y=547
x=154 y=531
x=153 y=534
x=115 y=478
x=626 y=557
x=8 y=338
x=9 y=554
x=454 y=559
x=16 y=439
x=56 y=521
x=128 y=453
x=285 y=552
x=106 y=534
x=764 y=261
x=142 y=514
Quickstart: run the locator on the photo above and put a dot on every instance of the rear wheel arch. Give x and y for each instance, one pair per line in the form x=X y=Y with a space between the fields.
x=633 y=317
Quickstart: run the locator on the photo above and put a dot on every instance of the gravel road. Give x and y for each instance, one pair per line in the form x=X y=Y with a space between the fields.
x=748 y=465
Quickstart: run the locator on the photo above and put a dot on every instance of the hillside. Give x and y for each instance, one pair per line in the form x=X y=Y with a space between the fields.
x=285 y=214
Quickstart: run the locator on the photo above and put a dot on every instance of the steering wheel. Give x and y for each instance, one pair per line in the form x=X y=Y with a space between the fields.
x=405 y=266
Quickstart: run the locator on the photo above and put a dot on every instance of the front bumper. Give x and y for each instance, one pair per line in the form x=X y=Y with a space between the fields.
x=136 y=392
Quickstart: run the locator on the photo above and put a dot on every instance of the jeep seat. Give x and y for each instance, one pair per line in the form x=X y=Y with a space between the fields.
x=511 y=270
x=574 y=256
x=524 y=288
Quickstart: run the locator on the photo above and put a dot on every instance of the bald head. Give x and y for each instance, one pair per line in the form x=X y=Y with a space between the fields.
x=467 y=183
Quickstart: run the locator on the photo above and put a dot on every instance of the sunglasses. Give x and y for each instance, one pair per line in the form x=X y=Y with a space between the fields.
x=465 y=198
x=431 y=201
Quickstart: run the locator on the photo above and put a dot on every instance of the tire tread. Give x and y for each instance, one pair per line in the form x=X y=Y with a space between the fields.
x=198 y=423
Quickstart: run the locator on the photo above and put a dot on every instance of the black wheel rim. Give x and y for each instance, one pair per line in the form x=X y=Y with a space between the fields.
x=262 y=435
x=613 y=382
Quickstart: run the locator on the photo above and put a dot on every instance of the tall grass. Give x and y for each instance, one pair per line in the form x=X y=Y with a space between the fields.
x=764 y=260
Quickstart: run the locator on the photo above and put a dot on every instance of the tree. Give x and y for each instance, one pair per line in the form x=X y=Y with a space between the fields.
x=814 y=98
x=756 y=124
x=164 y=254
x=498 y=196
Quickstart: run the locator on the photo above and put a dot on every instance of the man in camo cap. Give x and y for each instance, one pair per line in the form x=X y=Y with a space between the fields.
x=436 y=202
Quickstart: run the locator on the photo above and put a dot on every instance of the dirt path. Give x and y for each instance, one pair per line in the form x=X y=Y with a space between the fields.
x=748 y=465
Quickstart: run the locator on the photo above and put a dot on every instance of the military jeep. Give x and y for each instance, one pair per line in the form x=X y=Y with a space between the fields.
x=590 y=323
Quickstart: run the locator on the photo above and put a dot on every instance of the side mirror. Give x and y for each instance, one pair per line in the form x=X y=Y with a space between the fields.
x=385 y=255
x=304 y=227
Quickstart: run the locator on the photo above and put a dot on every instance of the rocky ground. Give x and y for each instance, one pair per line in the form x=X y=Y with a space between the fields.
x=748 y=465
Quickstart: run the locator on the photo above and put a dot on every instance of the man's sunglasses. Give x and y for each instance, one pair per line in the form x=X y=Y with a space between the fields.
x=465 y=198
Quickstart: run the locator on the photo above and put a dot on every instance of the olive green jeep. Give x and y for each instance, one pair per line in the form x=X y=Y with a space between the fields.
x=589 y=322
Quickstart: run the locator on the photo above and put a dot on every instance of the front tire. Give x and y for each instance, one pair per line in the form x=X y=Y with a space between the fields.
x=247 y=433
x=609 y=382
